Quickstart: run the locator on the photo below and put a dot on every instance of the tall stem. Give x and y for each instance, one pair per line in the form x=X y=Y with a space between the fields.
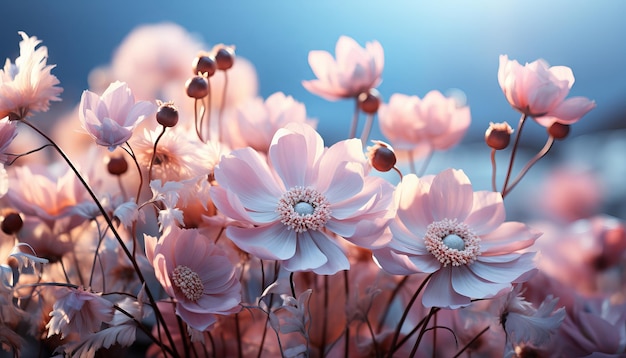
x=220 y=137
x=514 y=152
x=367 y=128
x=355 y=119
x=542 y=153
x=108 y=221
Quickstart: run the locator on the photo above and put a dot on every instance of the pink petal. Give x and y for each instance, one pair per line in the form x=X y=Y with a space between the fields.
x=139 y=112
x=508 y=238
x=119 y=100
x=324 y=90
x=487 y=212
x=272 y=242
x=572 y=109
x=336 y=257
x=503 y=272
x=465 y=282
x=440 y=293
x=229 y=204
x=394 y=263
x=450 y=195
x=333 y=162
x=308 y=255
x=563 y=73
x=294 y=152
x=322 y=63
x=197 y=320
x=414 y=210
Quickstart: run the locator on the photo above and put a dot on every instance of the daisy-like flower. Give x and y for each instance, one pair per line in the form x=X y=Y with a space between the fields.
x=28 y=86
x=111 y=118
x=78 y=311
x=539 y=91
x=356 y=69
x=197 y=273
x=459 y=236
x=435 y=122
x=298 y=204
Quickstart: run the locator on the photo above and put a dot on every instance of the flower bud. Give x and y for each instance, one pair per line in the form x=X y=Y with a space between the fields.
x=197 y=87
x=167 y=114
x=204 y=64
x=12 y=223
x=369 y=101
x=381 y=156
x=117 y=165
x=558 y=130
x=225 y=57
x=498 y=135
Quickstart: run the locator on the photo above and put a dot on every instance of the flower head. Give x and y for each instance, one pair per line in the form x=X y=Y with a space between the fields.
x=435 y=122
x=111 y=118
x=539 y=91
x=355 y=70
x=78 y=311
x=28 y=86
x=459 y=236
x=198 y=274
x=8 y=131
x=298 y=204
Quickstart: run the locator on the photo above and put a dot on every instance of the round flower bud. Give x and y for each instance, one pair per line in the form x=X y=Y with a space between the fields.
x=369 y=101
x=381 y=156
x=12 y=223
x=204 y=64
x=498 y=135
x=225 y=57
x=558 y=130
x=167 y=114
x=197 y=87
x=117 y=165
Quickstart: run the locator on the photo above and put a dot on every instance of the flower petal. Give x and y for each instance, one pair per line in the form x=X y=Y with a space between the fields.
x=272 y=242
x=440 y=293
x=451 y=195
x=487 y=212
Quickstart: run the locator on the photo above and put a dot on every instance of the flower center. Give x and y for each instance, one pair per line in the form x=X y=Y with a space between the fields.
x=303 y=209
x=452 y=243
x=189 y=282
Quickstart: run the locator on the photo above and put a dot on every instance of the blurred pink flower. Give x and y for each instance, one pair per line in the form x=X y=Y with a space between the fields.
x=435 y=122
x=78 y=311
x=197 y=273
x=302 y=200
x=28 y=86
x=111 y=118
x=539 y=91
x=355 y=70
x=8 y=131
x=444 y=228
x=266 y=117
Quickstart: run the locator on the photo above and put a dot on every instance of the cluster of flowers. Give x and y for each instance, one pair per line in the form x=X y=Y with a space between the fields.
x=219 y=224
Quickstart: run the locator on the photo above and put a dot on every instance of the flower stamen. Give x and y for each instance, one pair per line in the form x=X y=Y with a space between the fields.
x=303 y=209
x=189 y=282
x=452 y=243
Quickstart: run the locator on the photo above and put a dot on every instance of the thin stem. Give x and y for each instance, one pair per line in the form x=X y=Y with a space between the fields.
x=367 y=128
x=107 y=219
x=18 y=156
x=394 y=293
x=493 y=170
x=355 y=119
x=542 y=153
x=411 y=162
x=292 y=285
x=346 y=290
x=207 y=111
x=198 y=121
x=154 y=153
x=222 y=107
x=469 y=344
x=324 y=319
x=130 y=152
x=425 y=163
x=514 y=152
x=392 y=347
x=431 y=313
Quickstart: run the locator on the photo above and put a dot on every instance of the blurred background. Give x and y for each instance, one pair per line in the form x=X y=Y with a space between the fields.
x=442 y=45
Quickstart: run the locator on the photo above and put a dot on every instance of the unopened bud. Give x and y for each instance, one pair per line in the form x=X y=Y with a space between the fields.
x=558 y=130
x=117 y=165
x=12 y=223
x=204 y=64
x=381 y=156
x=498 y=135
x=369 y=101
x=197 y=87
x=167 y=114
x=225 y=57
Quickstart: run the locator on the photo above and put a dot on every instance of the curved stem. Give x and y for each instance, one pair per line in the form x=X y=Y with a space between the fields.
x=469 y=344
x=107 y=219
x=18 y=156
x=514 y=152
x=396 y=335
x=154 y=152
x=425 y=163
x=198 y=120
x=207 y=111
x=394 y=293
x=431 y=313
x=130 y=152
x=542 y=153
x=355 y=119
x=367 y=128
x=222 y=106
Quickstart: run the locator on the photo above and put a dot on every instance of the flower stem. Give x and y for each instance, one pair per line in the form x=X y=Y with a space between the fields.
x=220 y=125
x=154 y=152
x=542 y=153
x=355 y=119
x=493 y=170
x=514 y=152
x=207 y=111
x=469 y=344
x=369 y=121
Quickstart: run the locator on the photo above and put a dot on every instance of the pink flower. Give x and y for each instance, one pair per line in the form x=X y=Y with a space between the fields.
x=266 y=117
x=111 y=118
x=459 y=236
x=302 y=200
x=28 y=86
x=8 y=131
x=435 y=122
x=197 y=273
x=78 y=311
x=539 y=91
x=355 y=70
